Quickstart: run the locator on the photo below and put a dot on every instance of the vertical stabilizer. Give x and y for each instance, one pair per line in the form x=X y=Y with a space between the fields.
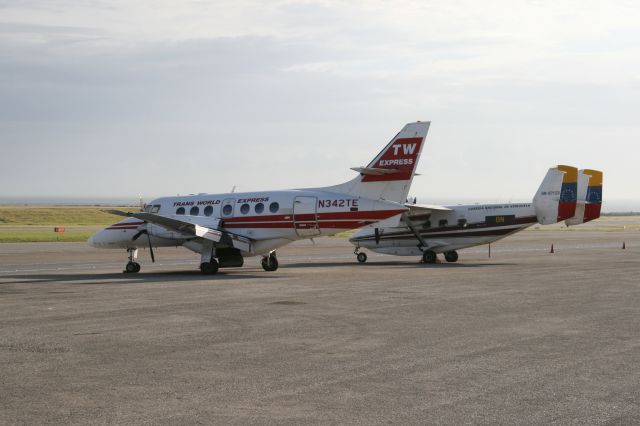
x=568 y=193
x=556 y=198
x=583 y=186
x=389 y=175
x=594 y=195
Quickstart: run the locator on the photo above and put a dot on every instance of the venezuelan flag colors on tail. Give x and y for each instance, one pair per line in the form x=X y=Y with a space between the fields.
x=568 y=193
x=594 y=195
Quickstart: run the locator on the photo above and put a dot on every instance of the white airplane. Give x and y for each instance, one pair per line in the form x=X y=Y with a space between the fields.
x=565 y=194
x=225 y=228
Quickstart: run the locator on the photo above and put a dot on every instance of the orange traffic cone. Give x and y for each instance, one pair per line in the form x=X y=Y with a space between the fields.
x=552 y=251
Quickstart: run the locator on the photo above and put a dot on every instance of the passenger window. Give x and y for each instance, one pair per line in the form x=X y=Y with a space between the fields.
x=274 y=207
x=259 y=208
x=443 y=223
x=180 y=210
x=155 y=208
x=462 y=222
x=194 y=211
x=227 y=210
x=208 y=211
x=244 y=209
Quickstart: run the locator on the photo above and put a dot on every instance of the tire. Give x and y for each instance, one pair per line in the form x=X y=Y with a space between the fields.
x=132 y=268
x=451 y=256
x=429 y=256
x=362 y=257
x=270 y=263
x=209 y=268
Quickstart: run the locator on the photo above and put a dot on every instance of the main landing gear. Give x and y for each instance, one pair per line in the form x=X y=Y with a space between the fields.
x=429 y=256
x=270 y=262
x=132 y=267
x=210 y=267
x=451 y=256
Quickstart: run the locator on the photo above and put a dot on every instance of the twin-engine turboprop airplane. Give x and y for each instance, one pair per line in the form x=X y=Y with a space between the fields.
x=565 y=194
x=225 y=228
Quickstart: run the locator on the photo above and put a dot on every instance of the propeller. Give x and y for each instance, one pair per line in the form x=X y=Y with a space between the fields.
x=138 y=234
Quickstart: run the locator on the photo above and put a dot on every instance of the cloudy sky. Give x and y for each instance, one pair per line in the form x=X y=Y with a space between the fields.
x=116 y=98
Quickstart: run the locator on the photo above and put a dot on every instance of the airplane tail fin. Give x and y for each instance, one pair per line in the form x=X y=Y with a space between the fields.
x=389 y=175
x=557 y=197
x=593 y=204
x=583 y=186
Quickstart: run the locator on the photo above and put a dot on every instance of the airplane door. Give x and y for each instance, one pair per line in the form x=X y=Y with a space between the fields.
x=305 y=218
x=226 y=209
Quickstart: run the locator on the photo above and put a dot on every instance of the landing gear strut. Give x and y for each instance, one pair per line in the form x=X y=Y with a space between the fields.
x=270 y=262
x=429 y=256
x=451 y=256
x=132 y=266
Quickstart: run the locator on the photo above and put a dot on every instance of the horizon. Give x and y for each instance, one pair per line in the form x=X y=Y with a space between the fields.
x=294 y=94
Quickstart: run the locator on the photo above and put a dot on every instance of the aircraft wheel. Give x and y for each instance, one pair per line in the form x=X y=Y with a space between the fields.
x=451 y=256
x=269 y=263
x=429 y=256
x=209 y=268
x=362 y=257
x=132 y=268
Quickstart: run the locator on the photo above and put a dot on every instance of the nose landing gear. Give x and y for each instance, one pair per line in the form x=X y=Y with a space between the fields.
x=360 y=256
x=132 y=267
x=270 y=262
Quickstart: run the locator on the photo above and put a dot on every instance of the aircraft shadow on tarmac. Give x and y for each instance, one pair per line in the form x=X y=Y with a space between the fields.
x=397 y=264
x=120 y=278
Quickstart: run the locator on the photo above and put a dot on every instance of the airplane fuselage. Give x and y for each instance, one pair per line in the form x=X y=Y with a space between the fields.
x=460 y=227
x=269 y=219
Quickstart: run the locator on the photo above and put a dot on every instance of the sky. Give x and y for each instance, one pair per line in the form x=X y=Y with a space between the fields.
x=118 y=98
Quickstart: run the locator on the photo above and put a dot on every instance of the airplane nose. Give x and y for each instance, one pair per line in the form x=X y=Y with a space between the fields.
x=94 y=240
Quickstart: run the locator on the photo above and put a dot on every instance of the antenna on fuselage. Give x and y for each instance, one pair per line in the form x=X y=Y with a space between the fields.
x=233 y=189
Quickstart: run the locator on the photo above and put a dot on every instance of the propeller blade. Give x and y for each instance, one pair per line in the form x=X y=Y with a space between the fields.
x=153 y=258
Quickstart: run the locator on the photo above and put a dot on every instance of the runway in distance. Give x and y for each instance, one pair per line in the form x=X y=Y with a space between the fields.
x=226 y=228
x=566 y=194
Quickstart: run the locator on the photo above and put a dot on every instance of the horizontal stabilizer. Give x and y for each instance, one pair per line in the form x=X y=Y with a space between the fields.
x=373 y=171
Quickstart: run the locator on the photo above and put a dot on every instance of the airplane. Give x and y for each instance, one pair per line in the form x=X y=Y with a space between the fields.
x=566 y=194
x=226 y=228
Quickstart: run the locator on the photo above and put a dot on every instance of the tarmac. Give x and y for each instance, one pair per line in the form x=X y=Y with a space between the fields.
x=523 y=337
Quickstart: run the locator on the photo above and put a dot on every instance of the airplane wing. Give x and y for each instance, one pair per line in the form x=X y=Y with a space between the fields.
x=418 y=212
x=215 y=235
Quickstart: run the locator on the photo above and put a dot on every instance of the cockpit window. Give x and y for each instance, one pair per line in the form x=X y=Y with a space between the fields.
x=155 y=208
x=147 y=208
